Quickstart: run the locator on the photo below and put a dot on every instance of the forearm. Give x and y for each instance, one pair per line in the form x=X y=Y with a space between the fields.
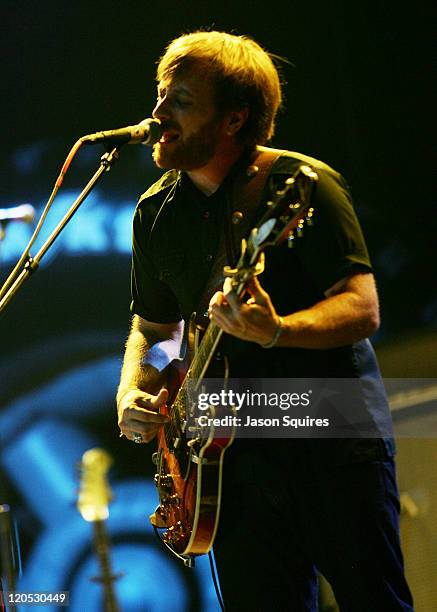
x=135 y=373
x=349 y=313
x=337 y=321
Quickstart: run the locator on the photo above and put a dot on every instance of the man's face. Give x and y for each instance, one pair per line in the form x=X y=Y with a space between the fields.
x=191 y=125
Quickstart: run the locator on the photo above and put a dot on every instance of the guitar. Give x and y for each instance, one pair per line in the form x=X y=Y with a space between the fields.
x=189 y=467
x=93 y=501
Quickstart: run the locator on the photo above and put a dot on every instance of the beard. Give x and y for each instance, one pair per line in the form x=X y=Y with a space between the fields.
x=191 y=153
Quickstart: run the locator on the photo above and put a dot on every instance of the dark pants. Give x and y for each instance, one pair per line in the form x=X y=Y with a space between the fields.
x=281 y=521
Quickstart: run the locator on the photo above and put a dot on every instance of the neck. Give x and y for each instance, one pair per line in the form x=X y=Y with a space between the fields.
x=208 y=178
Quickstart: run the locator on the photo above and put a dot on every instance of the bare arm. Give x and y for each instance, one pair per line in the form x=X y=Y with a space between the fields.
x=142 y=385
x=349 y=313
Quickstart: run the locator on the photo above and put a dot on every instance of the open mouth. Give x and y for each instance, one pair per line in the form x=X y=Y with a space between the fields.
x=168 y=137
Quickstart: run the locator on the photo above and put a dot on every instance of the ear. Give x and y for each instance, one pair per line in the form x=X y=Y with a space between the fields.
x=235 y=120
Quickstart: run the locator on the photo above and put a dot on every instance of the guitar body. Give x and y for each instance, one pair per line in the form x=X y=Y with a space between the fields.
x=189 y=476
x=189 y=492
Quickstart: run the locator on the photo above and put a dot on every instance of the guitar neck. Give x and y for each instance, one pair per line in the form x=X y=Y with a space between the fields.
x=205 y=353
x=197 y=370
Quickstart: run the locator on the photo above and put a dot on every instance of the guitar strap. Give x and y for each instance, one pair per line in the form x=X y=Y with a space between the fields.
x=242 y=210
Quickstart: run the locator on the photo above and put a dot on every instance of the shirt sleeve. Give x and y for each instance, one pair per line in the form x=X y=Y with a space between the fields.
x=152 y=298
x=334 y=246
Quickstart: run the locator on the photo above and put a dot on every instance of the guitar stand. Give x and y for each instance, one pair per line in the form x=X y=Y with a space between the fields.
x=9 y=554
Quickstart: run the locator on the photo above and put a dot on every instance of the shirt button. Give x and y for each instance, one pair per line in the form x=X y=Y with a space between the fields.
x=206 y=214
x=209 y=257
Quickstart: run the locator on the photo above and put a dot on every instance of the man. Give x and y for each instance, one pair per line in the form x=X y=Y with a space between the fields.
x=289 y=506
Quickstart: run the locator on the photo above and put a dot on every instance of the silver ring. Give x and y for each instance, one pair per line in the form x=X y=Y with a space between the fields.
x=138 y=438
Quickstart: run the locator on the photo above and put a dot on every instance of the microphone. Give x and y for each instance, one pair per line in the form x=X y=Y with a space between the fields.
x=24 y=212
x=147 y=132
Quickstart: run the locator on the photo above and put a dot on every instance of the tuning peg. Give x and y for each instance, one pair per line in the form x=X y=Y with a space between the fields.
x=309 y=216
x=299 y=228
x=290 y=240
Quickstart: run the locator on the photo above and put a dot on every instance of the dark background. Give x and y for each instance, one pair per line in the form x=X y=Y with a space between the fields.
x=357 y=95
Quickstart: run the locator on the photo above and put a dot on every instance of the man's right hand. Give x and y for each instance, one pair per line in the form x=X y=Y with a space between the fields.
x=138 y=413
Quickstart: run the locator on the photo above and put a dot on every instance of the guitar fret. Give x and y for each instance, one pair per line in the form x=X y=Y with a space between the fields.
x=203 y=355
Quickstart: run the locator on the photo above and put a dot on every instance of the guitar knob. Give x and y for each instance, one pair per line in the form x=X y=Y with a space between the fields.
x=167 y=481
x=290 y=240
x=164 y=483
x=171 y=500
x=160 y=516
x=168 y=535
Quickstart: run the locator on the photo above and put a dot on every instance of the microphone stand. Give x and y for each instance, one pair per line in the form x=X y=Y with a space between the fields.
x=32 y=263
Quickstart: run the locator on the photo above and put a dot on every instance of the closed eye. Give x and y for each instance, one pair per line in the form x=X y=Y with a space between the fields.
x=182 y=103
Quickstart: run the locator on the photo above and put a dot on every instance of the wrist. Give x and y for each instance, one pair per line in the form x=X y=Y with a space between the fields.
x=121 y=394
x=274 y=339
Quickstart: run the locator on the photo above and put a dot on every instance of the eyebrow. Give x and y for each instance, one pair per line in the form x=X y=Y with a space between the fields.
x=178 y=89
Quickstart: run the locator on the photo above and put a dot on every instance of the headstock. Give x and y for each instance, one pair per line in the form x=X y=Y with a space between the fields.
x=288 y=209
x=94 y=493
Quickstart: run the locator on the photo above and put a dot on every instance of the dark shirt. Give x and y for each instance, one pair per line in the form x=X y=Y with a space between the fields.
x=176 y=237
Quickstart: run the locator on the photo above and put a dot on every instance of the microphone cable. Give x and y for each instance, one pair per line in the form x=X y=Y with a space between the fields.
x=215 y=581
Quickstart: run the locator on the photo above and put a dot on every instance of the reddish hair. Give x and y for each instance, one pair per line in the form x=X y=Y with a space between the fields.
x=242 y=72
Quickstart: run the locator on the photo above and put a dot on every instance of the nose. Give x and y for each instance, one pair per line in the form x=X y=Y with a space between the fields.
x=161 y=110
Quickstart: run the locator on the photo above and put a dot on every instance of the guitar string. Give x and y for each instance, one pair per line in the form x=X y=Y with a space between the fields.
x=197 y=364
x=182 y=396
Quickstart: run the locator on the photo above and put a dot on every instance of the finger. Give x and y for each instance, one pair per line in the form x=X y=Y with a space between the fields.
x=233 y=301
x=147 y=433
x=151 y=401
x=221 y=318
x=136 y=414
x=217 y=299
x=160 y=399
x=138 y=438
x=146 y=429
x=257 y=293
x=148 y=436
x=231 y=297
x=227 y=286
x=142 y=437
x=141 y=428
